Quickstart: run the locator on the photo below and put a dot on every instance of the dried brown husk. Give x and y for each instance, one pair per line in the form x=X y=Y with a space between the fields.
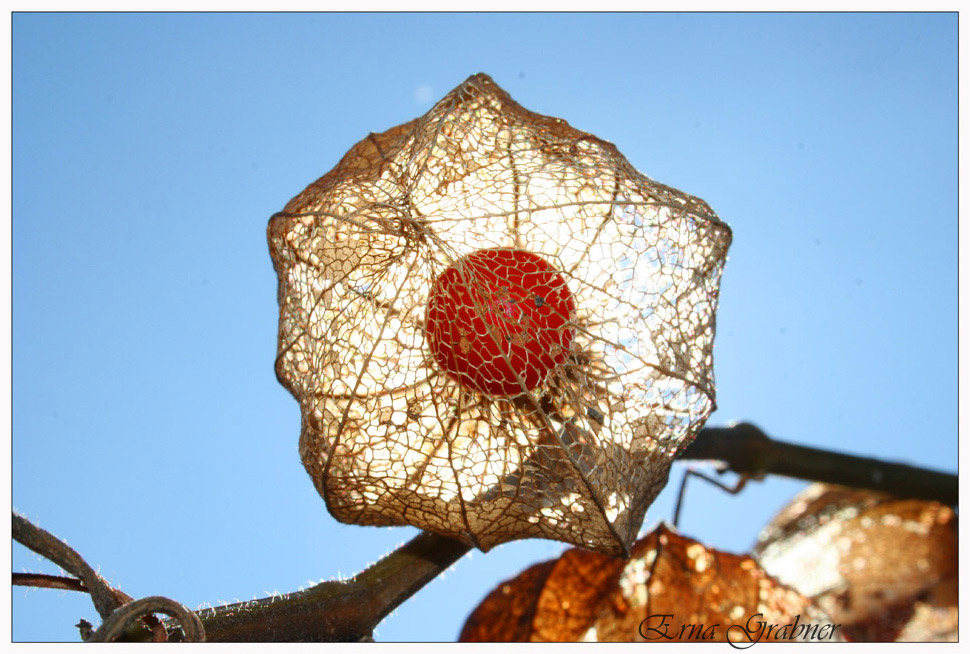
x=885 y=567
x=672 y=588
x=389 y=439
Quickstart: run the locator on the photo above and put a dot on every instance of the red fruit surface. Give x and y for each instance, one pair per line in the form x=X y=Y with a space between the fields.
x=499 y=320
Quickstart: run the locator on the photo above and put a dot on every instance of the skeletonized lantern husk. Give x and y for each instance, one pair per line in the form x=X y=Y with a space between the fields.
x=389 y=436
x=884 y=567
x=672 y=588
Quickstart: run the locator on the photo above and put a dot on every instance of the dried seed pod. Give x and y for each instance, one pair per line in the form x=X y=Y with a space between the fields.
x=672 y=588
x=495 y=326
x=884 y=567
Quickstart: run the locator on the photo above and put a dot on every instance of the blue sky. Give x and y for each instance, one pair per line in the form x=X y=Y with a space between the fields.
x=150 y=150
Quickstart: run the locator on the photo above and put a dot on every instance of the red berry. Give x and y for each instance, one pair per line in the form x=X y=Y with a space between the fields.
x=499 y=320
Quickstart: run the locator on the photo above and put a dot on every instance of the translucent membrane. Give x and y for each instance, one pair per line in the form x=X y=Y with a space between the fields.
x=495 y=326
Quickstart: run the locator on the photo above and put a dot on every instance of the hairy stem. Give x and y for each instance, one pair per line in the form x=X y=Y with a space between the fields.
x=338 y=610
x=52 y=548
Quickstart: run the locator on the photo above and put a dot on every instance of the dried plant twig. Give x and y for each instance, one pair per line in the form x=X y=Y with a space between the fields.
x=338 y=610
x=48 y=581
x=52 y=548
x=747 y=450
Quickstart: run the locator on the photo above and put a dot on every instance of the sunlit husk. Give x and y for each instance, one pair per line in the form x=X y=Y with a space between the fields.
x=387 y=437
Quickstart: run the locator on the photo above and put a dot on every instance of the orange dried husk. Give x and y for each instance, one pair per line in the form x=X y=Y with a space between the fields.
x=390 y=439
x=885 y=567
x=672 y=588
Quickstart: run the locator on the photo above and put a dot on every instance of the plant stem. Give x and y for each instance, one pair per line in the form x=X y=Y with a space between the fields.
x=338 y=610
x=745 y=449
x=54 y=549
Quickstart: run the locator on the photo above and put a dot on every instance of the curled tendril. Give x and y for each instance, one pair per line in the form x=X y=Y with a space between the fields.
x=107 y=600
x=116 y=623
